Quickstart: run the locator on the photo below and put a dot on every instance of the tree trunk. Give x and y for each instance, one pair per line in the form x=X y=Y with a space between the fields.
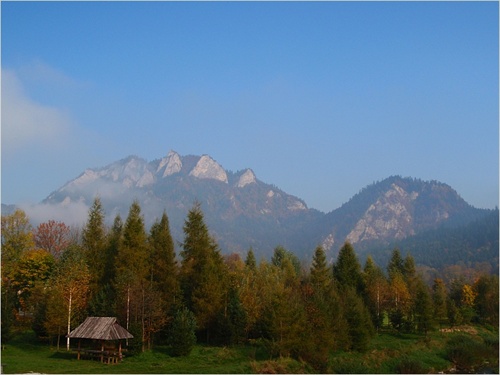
x=128 y=309
x=69 y=320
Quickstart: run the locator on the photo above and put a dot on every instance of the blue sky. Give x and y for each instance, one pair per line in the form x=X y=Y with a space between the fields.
x=320 y=99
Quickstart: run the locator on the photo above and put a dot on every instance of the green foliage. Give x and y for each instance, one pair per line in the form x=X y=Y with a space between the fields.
x=361 y=328
x=250 y=261
x=347 y=270
x=182 y=332
x=162 y=263
x=409 y=365
x=423 y=308
x=282 y=255
x=321 y=278
x=291 y=314
x=93 y=242
x=468 y=353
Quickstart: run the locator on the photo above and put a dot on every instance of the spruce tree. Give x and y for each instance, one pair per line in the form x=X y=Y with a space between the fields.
x=132 y=271
x=439 y=297
x=182 y=332
x=250 y=261
x=203 y=273
x=320 y=272
x=396 y=263
x=423 y=308
x=94 y=244
x=347 y=270
x=163 y=266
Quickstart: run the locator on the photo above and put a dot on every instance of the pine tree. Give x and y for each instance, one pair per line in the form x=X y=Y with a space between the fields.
x=103 y=302
x=347 y=270
x=94 y=243
x=182 y=332
x=321 y=278
x=203 y=273
x=440 y=296
x=360 y=327
x=250 y=261
x=396 y=263
x=132 y=273
x=423 y=308
x=163 y=264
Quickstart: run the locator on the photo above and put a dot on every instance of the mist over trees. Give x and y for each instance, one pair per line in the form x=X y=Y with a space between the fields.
x=54 y=276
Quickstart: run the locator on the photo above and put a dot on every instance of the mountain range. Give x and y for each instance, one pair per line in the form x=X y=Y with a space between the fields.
x=242 y=211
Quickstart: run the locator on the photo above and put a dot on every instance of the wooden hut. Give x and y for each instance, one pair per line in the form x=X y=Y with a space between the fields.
x=102 y=330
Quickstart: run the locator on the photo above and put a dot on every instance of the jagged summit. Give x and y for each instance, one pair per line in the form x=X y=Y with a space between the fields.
x=243 y=211
x=170 y=164
x=209 y=168
x=248 y=177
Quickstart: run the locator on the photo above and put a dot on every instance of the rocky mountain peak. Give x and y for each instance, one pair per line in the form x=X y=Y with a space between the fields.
x=208 y=168
x=248 y=177
x=389 y=216
x=170 y=164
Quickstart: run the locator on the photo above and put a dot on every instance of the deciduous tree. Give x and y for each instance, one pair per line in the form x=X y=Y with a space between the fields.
x=53 y=236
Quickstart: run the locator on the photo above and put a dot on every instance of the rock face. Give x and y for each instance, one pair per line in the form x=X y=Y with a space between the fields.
x=246 y=178
x=209 y=168
x=170 y=164
x=389 y=217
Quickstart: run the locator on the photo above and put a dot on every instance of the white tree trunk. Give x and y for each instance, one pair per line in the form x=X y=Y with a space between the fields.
x=69 y=320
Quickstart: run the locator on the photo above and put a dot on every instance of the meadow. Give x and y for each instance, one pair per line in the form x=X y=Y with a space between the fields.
x=475 y=350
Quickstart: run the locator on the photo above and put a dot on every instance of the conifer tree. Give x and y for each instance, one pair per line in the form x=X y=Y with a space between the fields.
x=320 y=272
x=396 y=263
x=440 y=296
x=250 y=261
x=94 y=243
x=203 y=274
x=360 y=327
x=423 y=308
x=132 y=273
x=163 y=264
x=347 y=270
x=103 y=302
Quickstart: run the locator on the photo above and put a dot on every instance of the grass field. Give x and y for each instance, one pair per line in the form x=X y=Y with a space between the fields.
x=388 y=353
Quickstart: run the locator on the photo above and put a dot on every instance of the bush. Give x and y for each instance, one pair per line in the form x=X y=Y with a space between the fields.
x=182 y=334
x=410 y=366
x=465 y=352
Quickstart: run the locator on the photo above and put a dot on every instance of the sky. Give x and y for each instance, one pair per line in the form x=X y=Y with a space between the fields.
x=318 y=98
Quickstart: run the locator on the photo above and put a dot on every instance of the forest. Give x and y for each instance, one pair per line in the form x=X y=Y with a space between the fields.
x=54 y=276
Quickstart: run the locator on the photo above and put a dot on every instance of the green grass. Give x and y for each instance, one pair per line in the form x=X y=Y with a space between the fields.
x=24 y=354
x=388 y=353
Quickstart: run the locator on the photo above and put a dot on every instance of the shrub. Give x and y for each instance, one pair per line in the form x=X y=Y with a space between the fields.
x=465 y=352
x=182 y=334
x=410 y=366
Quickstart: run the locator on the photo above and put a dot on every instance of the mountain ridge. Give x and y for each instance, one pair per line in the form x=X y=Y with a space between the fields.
x=243 y=211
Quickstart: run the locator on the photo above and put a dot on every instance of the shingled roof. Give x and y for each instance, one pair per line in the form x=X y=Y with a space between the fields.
x=100 y=328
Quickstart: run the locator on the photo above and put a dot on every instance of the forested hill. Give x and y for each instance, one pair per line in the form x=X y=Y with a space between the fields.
x=468 y=245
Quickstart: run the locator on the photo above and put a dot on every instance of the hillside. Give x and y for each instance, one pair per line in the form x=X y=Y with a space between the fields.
x=472 y=245
x=243 y=211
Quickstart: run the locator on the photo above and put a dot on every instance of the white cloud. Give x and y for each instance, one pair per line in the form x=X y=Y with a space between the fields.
x=26 y=123
x=73 y=214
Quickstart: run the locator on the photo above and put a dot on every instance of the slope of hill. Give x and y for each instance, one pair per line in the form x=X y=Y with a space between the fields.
x=243 y=211
x=394 y=209
x=469 y=245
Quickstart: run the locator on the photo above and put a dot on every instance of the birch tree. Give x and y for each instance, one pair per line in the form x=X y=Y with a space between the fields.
x=70 y=291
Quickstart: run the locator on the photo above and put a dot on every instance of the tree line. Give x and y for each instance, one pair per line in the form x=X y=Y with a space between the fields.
x=54 y=276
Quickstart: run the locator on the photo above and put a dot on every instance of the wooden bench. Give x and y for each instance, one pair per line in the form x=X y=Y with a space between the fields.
x=105 y=356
